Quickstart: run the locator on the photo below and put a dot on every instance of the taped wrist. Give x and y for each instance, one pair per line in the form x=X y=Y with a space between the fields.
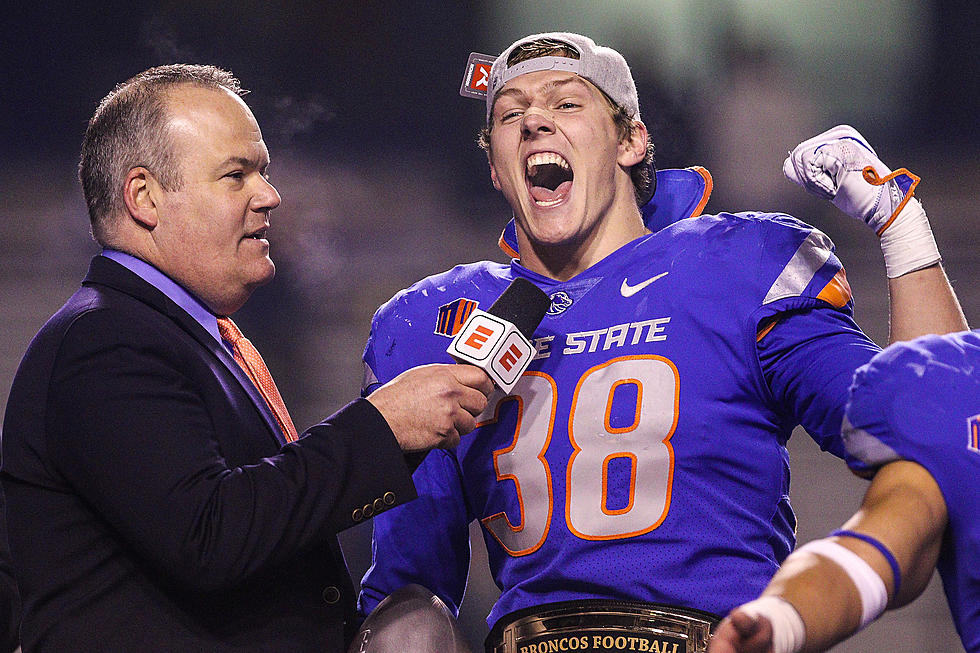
x=907 y=242
x=870 y=586
x=788 y=631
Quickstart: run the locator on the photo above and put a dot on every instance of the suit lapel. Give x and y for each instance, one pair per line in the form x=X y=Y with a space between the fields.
x=109 y=273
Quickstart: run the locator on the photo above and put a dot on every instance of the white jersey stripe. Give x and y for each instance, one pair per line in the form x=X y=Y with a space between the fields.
x=796 y=276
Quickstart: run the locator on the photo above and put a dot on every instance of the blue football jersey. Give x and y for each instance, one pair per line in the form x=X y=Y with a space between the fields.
x=920 y=401
x=642 y=456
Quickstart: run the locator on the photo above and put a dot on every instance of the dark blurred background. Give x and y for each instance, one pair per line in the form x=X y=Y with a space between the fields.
x=373 y=152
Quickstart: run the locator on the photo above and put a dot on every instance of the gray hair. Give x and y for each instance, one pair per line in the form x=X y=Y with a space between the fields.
x=130 y=128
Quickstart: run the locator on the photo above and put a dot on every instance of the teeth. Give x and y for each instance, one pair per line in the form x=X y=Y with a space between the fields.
x=543 y=158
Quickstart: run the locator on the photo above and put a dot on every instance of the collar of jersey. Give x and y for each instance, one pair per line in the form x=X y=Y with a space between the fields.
x=586 y=278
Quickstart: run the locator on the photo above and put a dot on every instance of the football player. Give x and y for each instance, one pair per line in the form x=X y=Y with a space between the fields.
x=642 y=457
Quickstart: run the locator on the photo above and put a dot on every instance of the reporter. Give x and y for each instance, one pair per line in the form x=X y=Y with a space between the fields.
x=159 y=495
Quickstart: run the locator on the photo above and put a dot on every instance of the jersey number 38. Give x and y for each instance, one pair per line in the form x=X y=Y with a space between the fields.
x=643 y=447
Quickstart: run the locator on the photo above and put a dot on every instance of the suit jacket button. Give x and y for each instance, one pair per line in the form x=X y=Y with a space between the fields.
x=389 y=498
x=357 y=515
x=379 y=505
x=330 y=595
x=368 y=510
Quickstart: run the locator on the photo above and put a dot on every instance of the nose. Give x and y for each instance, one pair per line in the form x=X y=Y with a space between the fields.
x=536 y=122
x=266 y=196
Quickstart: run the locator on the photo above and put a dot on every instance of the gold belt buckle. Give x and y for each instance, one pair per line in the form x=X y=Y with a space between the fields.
x=600 y=626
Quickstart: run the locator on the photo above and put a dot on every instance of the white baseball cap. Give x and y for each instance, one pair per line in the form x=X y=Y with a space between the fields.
x=602 y=66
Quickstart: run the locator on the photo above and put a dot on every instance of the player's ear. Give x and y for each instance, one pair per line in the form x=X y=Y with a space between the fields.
x=633 y=148
x=139 y=191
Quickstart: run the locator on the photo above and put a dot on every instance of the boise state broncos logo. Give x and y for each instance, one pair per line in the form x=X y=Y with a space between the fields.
x=559 y=302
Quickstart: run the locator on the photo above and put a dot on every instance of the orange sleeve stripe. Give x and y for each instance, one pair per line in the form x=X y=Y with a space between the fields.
x=837 y=292
x=766 y=328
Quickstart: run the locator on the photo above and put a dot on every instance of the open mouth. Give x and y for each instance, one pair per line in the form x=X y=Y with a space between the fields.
x=258 y=234
x=549 y=177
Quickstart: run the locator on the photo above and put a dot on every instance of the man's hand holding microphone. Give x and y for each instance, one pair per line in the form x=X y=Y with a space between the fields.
x=432 y=406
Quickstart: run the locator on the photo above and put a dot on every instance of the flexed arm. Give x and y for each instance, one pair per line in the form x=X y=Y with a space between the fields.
x=840 y=165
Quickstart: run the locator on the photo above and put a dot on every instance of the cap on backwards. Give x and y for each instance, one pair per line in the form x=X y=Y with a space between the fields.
x=602 y=66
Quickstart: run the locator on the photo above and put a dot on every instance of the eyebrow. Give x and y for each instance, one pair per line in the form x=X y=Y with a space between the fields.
x=545 y=88
x=240 y=160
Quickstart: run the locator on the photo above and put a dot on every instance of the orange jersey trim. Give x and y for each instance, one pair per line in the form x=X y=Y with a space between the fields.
x=837 y=292
x=508 y=250
x=709 y=185
x=871 y=176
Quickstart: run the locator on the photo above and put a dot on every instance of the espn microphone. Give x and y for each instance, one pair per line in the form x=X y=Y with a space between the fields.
x=498 y=340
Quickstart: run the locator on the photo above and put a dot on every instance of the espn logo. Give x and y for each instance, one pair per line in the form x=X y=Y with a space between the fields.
x=453 y=315
x=495 y=346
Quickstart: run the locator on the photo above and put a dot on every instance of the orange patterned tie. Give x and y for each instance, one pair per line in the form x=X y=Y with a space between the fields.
x=249 y=359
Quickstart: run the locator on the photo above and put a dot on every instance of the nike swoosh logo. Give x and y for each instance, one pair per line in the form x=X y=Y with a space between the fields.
x=628 y=291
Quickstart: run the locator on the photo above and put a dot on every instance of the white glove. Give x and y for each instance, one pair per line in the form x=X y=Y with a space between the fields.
x=841 y=166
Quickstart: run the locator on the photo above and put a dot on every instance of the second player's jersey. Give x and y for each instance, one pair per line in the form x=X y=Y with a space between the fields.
x=642 y=455
x=920 y=401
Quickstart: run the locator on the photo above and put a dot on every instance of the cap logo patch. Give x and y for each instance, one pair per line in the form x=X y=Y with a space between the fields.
x=476 y=78
x=453 y=315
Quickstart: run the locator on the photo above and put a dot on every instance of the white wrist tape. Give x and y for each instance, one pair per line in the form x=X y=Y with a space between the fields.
x=870 y=586
x=788 y=631
x=907 y=242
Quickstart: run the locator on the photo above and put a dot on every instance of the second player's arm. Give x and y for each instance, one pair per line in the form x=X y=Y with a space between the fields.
x=905 y=511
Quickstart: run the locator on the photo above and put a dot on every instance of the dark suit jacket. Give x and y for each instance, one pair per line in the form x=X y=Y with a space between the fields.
x=151 y=505
x=9 y=597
